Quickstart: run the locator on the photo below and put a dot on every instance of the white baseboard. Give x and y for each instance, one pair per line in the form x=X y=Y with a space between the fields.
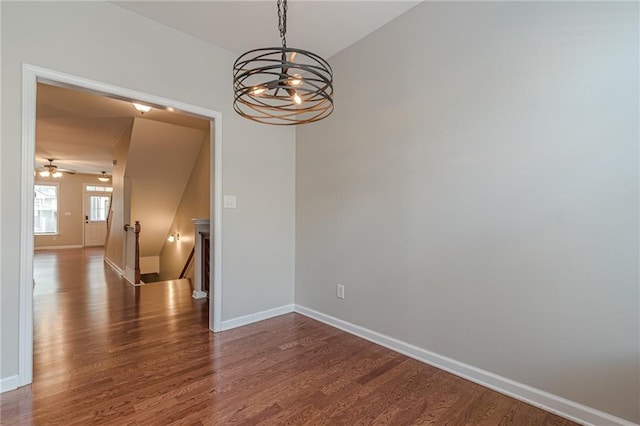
x=258 y=316
x=141 y=283
x=113 y=266
x=73 y=246
x=199 y=294
x=9 y=383
x=555 y=404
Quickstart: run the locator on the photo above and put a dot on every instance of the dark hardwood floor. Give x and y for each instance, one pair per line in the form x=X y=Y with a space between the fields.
x=109 y=353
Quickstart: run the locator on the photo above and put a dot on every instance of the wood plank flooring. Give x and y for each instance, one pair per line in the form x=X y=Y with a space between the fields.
x=109 y=353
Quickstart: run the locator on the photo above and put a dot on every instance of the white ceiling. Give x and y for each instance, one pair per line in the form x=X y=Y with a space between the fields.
x=324 y=27
x=78 y=129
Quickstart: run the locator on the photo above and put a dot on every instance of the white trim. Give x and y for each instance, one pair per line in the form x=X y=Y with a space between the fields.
x=555 y=404
x=30 y=77
x=57 y=186
x=215 y=216
x=70 y=246
x=202 y=227
x=126 y=278
x=114 y=266
x=25 y=327
x=199 y=294
x=9 y=383
x=258 y=316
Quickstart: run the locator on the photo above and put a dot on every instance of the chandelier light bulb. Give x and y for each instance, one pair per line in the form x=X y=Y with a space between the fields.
x=297 y=99
x=296 y=80
x=258 y=90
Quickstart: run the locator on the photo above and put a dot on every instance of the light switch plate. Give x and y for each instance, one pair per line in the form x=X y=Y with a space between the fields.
x=229 y=202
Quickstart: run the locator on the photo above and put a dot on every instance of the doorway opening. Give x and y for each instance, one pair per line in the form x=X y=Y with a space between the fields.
x=96 y=205
x=31 y=77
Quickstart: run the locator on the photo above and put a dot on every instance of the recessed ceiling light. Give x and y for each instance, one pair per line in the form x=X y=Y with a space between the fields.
x=141 y=108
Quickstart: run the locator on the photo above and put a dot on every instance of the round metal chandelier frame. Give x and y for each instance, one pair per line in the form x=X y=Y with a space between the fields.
x=282 y=85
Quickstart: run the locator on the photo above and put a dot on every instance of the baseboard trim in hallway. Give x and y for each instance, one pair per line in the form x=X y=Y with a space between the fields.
x=258 y=316
x=113 y=266
x=549 y=402
x=72 y=246
x=9 y=383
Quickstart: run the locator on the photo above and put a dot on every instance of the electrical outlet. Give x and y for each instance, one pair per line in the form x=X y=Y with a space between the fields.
x=340 y=291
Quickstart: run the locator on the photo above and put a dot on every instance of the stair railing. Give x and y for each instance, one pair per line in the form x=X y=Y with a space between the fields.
x=132 y=253
x=187 y=263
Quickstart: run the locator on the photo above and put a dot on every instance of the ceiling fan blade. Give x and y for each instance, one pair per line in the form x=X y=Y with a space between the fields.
x=70 y=171
x=53 y=168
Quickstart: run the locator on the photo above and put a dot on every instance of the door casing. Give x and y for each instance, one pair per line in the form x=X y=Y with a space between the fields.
x=31 y=76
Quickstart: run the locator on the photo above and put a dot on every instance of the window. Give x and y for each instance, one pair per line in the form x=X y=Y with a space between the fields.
x=98 y=208
x=95 y=188
x=45 y=209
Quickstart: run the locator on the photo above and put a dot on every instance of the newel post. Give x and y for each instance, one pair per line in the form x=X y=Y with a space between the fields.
x=137 y=266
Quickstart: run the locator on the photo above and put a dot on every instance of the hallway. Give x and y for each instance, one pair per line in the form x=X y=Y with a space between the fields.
x=96 y=336
x=106 y=352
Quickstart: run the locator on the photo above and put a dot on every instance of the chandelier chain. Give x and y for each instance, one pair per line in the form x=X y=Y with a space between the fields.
x=282 y=21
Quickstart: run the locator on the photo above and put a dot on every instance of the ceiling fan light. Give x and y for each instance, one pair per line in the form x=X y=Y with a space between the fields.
x=56 y=174
x=44 y=173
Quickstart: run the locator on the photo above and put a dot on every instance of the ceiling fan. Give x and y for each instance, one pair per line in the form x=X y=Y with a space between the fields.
x=51 y=170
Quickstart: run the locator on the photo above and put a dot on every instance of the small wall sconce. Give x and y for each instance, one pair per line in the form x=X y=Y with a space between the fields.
x=173 y=237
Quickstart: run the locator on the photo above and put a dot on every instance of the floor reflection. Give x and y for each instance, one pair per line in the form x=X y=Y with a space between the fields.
x=84 y=313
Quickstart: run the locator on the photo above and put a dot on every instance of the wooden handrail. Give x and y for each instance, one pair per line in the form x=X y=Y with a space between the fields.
x=186 y=265
x=110 y=211
x=106 y=240
x=137 y=268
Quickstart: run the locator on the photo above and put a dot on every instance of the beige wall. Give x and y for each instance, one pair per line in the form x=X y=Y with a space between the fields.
x=103 y=42
x=194 y=204
x=476 y=191
x=158 y=186
x=120 y=201
x=70 y=210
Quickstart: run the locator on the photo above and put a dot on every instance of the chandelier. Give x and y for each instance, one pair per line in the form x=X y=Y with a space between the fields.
x=282 y=85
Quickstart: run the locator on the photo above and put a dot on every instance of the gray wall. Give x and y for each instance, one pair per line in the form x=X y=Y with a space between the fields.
x=476 y=191
x=103 y=42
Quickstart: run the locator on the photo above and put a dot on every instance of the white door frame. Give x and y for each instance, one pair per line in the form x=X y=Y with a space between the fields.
x=31 y=75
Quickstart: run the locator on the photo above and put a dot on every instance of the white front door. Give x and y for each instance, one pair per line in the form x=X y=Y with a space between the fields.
x=96 y=209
